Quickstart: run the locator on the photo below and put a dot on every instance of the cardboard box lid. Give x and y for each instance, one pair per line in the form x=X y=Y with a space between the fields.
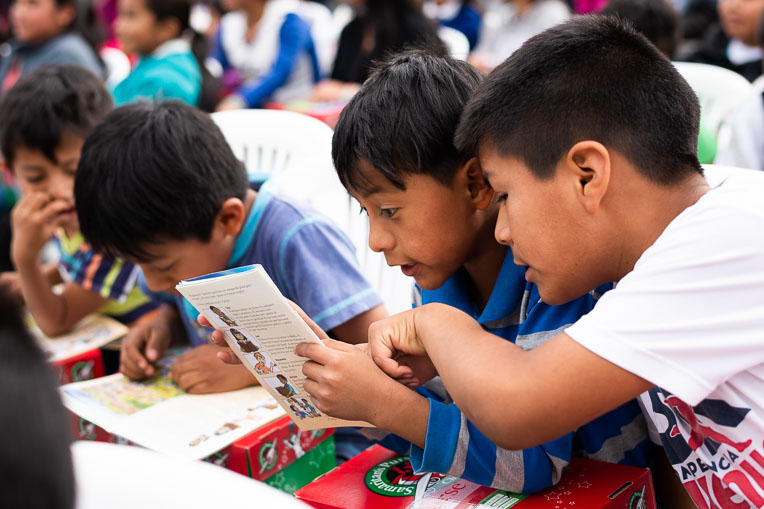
x=379 y=478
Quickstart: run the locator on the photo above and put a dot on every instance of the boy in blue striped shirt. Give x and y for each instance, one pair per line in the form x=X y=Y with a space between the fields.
x=432 y=213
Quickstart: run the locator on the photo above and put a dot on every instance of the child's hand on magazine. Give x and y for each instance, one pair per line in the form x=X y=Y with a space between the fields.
x=199 y=372
x=216 y=337
x=344 y=382
x=143 y=346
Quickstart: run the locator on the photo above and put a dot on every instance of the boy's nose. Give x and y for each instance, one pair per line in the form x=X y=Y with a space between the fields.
x=157 y=282
x=379 y=239
x=501 y=232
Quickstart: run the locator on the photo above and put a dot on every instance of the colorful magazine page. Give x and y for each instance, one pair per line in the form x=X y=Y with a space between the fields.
x=262 y=329
x=93 y=331
x=158 y=415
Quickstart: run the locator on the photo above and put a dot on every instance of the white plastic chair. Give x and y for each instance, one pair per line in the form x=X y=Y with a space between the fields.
x=719 y=90
x=457 y=43
x=294 y=153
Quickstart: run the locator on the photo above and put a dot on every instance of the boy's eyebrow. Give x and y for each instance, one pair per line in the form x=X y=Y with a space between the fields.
x=31 y=167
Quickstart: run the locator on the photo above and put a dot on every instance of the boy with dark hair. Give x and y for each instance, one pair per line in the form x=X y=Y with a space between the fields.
x=587 y=136
x=44 y=120
x=431 y=212
x=160 y=186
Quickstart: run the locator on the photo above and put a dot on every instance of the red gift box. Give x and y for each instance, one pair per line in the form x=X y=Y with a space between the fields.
x=379 y=478
x=86 y=366
x=269 y=449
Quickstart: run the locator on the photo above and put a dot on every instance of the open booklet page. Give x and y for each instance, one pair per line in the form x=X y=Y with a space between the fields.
x=262 y=329
x=93 y=331
x=158 y=415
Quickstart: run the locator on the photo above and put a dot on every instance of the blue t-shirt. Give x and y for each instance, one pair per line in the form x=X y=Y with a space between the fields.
x=309 y=259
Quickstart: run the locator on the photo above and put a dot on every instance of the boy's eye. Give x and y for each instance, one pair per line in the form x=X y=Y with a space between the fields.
x=500 y=198
x=387 y=212
x=363 y=211
x=34 y=179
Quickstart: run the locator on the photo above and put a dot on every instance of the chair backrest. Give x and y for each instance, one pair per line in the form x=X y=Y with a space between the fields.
x=718 y=90
x=457 y=43
x=294 y=153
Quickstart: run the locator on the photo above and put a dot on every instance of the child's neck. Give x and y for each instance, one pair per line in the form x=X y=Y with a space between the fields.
x=254 y=12
x=484 y=267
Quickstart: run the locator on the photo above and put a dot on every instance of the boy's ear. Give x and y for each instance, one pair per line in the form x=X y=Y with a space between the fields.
x=231 y=216
x=589 y=165
x=168 y=29
x=480 y=192
x=65 y=15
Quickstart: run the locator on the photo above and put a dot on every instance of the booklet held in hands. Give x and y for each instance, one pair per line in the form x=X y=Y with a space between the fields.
x=262 y=330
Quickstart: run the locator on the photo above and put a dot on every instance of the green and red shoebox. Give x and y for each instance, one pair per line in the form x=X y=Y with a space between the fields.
x=86 y=366
x=279 y=453
x=379 y=478
x=282 y=455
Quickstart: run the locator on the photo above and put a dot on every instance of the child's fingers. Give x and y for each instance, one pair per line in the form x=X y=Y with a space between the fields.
x=217 y=338
x=315 y=351
x=228 y=357
x=338 y=345
x=392 y=368
x=203 y=321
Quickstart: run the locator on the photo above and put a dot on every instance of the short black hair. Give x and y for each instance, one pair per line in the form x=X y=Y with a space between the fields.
x=403 y=119
x=153 y=172
x=658 y=20
x=591 y=78
x=36 y=463
x=48 y=102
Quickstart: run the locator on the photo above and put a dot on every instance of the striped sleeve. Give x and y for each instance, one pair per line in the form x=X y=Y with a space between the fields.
x=111 y=278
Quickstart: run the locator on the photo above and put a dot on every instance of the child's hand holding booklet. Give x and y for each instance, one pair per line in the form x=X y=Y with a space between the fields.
x=262 y=329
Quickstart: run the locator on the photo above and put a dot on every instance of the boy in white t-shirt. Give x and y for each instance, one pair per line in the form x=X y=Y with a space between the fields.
x=588 y=137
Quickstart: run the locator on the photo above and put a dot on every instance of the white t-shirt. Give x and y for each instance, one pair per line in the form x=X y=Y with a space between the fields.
x=690 y=319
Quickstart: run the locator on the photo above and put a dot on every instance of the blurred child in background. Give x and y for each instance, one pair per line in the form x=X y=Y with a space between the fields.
x=44 y=34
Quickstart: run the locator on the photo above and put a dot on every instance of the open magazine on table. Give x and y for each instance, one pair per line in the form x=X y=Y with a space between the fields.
x=262 y=330
x=158 y=415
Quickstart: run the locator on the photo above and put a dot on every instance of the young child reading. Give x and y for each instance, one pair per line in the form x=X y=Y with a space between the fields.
x=43 y=35
x=44 y=120
x=588 y=137
x=431 y=212
x=161 y=187
x=167 y=68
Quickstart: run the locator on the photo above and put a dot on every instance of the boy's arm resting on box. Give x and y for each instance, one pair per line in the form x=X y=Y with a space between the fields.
x=146 y=343
x=454 y=446
x=558 y=378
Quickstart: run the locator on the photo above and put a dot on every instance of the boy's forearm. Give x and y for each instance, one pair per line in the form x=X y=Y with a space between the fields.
x=403 y=412
x=47 y=308
x=509 y=393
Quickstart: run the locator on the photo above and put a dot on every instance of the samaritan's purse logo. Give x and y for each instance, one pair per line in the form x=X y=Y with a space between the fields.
x=394 y=478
